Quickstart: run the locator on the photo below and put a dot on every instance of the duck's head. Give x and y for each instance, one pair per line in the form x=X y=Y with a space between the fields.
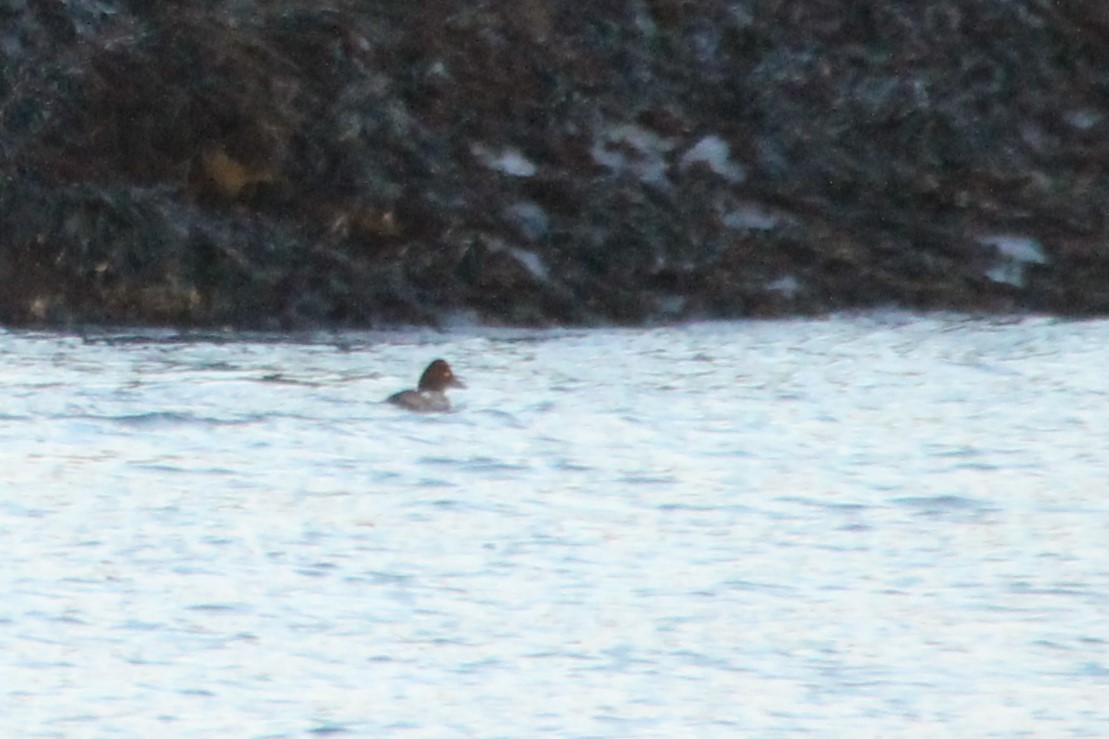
x=438 y=376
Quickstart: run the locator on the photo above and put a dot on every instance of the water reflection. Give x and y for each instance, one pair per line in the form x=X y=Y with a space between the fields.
x=866 y=525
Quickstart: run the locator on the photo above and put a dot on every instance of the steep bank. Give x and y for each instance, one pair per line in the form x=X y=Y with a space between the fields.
x=273 y=164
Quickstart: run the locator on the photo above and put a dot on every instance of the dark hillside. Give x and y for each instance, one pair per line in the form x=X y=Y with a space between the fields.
x=274 y=164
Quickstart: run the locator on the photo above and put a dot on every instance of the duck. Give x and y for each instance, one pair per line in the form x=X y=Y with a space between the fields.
x=430 y=396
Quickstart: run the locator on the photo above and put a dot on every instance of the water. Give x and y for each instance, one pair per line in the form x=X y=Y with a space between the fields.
x=866 y=526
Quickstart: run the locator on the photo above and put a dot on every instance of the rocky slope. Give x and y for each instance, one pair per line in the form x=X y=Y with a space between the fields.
x=271 y=164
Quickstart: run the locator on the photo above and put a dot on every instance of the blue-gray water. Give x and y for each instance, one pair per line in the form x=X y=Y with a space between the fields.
x=864 y=526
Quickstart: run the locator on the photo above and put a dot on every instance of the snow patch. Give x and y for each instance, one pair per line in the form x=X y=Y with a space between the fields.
x=788 y=286
x=1015 y=254
x=628 y=148
x=532 y=262
x=750 y=217
x=529 y=218
x=672 y=305
x=529 y=259
x=715 y=153
x=508 y=160
x=10 y=45
x=1083 y=118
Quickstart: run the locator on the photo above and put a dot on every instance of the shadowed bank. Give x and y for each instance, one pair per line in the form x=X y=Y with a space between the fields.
x=286 y=164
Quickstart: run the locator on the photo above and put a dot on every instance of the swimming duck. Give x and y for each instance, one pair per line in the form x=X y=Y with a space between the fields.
x=430 y=396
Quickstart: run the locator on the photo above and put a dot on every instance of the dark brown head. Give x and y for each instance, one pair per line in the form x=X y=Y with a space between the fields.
x=438 y=376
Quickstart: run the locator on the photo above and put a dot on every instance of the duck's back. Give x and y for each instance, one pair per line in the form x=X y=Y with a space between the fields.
x=423 y=401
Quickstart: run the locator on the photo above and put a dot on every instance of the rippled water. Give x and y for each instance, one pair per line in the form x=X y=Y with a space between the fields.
x=864 y=526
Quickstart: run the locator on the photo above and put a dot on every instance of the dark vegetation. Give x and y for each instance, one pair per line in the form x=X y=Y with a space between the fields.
x=268 y=164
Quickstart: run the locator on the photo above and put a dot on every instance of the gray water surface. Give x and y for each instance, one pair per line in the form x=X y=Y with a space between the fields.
x=864 y=526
